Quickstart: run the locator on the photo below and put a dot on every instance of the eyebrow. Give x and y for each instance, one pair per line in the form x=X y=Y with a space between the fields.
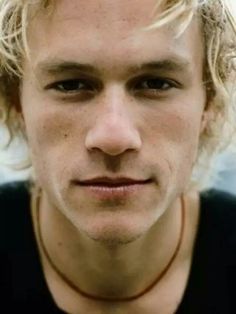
x=59 y=66
x=54 y=67
x=173 y=65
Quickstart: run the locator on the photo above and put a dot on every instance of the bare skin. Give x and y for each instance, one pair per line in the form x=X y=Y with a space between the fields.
x=163 y=298
x=134 y=109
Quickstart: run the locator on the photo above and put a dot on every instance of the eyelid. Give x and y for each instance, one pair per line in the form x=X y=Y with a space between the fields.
x=134 y=81
x=84 y=80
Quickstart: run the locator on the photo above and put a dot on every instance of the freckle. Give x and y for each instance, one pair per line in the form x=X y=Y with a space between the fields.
x=65 y=135
x=59 y=244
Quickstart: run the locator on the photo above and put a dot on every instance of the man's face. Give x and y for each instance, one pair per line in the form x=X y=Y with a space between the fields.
x=104 y=100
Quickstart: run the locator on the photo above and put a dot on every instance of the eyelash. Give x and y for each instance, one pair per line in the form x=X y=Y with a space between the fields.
x=155 y=85
x=86 y=85
x=150 y=85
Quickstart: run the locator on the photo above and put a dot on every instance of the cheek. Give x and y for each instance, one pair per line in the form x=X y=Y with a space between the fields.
x=173 y=127
x=172 y=137
x=53 y=130
x=55 y=140
x=183 y=135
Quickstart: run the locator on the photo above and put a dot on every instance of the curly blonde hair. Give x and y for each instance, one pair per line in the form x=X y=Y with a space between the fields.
x=219 y=34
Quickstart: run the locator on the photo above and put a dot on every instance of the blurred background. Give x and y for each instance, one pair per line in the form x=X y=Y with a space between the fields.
x=225 y=163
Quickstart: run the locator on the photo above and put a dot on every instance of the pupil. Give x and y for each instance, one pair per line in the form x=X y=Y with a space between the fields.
x=71 y=85
x=153 y=84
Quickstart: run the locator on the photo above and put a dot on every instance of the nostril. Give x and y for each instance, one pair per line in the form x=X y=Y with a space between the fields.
x=113 y=141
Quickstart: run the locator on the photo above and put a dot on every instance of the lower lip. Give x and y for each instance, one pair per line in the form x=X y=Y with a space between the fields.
x=115 y=192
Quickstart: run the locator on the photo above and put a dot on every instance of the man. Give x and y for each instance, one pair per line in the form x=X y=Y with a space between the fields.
x=117 y=99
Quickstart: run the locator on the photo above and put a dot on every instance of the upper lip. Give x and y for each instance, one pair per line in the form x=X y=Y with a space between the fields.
x=113 y=181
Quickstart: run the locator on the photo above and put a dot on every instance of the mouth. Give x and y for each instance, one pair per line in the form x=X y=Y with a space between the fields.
x=105 y=188
x=112 y=182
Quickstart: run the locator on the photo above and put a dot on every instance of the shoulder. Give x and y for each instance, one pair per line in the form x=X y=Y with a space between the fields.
x=14 y=204
x=219 y=206
x=13 y=191
x=13 y=197
x=218 y=220
x=218 y=197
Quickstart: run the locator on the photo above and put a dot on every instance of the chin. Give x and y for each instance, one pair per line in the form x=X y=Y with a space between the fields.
x=114 y=231
x=113 y=240
x=108 y=223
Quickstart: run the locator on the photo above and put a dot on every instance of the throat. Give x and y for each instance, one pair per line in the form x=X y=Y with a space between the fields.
x=120 y=275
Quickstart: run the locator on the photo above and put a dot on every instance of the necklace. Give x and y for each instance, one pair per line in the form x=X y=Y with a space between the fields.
x=36 y=197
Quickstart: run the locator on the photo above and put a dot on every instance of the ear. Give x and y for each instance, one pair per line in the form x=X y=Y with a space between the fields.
x=15 y=97
x=207 y=116
x=16 y=104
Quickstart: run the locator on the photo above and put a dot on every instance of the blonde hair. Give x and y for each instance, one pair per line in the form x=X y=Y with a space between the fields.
x=219 y=34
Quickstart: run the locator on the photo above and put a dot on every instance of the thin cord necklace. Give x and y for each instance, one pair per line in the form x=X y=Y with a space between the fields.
x=36 y=197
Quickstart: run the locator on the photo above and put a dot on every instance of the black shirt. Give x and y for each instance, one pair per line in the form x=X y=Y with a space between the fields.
x=211 y=287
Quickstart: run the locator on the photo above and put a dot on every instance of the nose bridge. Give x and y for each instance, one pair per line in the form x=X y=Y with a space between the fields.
x=115 y=109
x=114 y=130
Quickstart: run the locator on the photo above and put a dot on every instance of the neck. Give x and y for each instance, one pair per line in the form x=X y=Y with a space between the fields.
x=111 y=271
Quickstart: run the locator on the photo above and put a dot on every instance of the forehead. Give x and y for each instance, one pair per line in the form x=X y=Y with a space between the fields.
x=104 y=30
x=106 y=12
x=102 y=13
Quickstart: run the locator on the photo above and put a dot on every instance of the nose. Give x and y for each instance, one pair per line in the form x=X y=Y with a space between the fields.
x=114 y=131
